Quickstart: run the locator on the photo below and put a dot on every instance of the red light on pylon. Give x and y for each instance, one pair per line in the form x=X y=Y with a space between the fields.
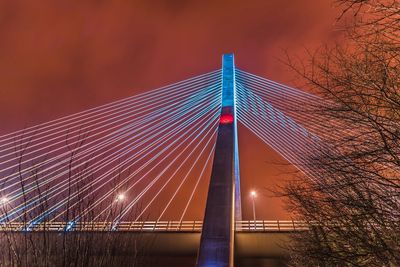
x=226 y=119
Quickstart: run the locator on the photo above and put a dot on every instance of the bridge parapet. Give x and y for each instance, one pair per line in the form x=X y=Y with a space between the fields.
x=155 y=226
x=270 y=226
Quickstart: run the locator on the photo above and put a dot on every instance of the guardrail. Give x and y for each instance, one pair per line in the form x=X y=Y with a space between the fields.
x=152 y=226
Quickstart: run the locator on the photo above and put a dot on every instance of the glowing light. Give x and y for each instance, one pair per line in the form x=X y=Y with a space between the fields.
x=4 y=200
x=120 y=197
x=226 y=119
x=253 y=193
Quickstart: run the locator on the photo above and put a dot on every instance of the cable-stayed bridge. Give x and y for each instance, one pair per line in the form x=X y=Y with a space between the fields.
x=162 y=161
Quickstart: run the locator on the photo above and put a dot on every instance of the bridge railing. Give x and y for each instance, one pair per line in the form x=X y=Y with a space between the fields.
x=153 y=226
x=270 y=226
x=139 y=226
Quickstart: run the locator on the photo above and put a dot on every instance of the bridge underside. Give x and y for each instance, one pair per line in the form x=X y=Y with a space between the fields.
x=251 y=248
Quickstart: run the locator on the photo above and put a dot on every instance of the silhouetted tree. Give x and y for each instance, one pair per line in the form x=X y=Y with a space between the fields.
x=353 y=207
x=42 y=247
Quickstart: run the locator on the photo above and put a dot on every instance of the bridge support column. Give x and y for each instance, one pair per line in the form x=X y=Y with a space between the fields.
x=217 y=237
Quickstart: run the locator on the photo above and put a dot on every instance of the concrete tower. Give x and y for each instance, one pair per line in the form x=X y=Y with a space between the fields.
x=223 y=200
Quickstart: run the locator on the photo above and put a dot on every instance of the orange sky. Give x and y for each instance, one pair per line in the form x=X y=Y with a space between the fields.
x=59 y=57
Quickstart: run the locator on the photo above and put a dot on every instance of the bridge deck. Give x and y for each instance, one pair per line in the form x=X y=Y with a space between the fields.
x=254 y=240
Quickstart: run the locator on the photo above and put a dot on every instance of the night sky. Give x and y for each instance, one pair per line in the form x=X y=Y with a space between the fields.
x=60 y=57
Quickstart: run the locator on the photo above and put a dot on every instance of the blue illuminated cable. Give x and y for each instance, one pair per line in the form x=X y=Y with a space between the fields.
x=160 y=152
x=276 y=96
x=291 y=104
x=158 y=132
x=132 y=203
x=317 y=126
x=197 y=182
x=258 y=105
x=282 y=151
x=283 y=129
x=82 y=163
x=282 y=100
x=314 y=123
x=287 y=152
x=96 y=133
x=183 y=161
x=274 y=136
x=128 y=140
x=36 y=144
x=22 y=170
x=112 y=104
x=266 y=130
x=212 y=137
x=240 y=72
x=309 y=169
x=150 y=104
x=154 y=157
x=152 y=183
x=87 y=144
x=167 y=121
x=51 y=145
x=158 y=114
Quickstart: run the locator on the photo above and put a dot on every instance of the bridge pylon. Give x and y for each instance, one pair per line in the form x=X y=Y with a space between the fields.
x=223 y=200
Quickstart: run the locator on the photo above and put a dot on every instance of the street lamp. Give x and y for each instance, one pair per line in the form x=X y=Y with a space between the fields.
x=253 y=196
x=120 y=197
x=4 y=200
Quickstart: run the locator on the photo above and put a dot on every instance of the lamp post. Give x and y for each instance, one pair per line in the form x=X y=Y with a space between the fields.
x=253 y=196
